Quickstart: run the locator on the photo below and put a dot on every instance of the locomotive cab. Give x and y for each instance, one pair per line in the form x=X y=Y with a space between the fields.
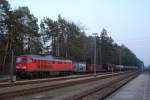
x=21 y=63
x=22 y=66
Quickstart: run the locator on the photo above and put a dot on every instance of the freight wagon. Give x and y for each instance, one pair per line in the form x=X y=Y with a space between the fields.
x=79 y=67
x=90 y=68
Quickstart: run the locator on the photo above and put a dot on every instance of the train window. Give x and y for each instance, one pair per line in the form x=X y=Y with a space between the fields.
x=29 y=60
x=23 y=60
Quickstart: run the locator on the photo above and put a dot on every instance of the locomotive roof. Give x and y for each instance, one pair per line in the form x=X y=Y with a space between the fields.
x=45 y=57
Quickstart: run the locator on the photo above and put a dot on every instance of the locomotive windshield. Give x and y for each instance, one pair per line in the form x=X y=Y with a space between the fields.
x=23 y=60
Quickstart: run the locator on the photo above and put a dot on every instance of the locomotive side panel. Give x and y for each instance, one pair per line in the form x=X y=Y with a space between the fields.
x=28 y=65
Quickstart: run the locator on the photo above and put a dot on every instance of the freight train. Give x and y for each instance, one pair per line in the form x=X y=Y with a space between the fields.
x=36 y=65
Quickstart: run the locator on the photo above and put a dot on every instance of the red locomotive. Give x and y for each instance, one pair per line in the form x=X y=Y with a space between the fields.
x=35 y=65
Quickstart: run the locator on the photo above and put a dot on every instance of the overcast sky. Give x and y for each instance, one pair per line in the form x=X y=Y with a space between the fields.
x=127 y=21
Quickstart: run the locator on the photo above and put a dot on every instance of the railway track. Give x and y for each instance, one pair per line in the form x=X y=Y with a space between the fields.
x=18 y=90
x=102 y=91
x=5 y=83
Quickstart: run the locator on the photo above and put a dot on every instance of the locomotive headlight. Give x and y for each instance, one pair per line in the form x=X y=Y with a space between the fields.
x=17 y=66
x=21 y=67
x=24 y=67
